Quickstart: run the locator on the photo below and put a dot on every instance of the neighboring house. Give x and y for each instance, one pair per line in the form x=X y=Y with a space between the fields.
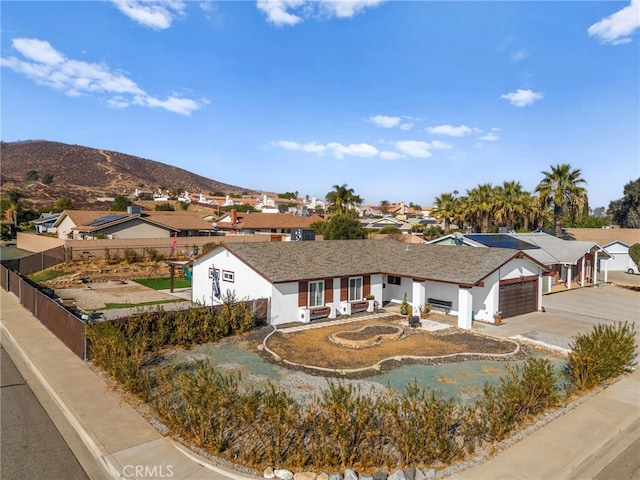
x=616 y=241
x=307 y=280
x=573 y=262
x=620 y=259
x=271 y=223
x=84 y=224
x=45 y=223
x=405 y=226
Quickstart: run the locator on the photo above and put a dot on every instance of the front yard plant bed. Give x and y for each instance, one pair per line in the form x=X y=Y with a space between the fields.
x=344 y=426
x=315 y=351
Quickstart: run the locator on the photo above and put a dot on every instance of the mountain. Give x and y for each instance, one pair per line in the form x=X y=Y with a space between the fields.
x=83 y=174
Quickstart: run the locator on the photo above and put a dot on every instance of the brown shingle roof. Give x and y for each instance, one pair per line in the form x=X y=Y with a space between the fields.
x=172 y=220
x=260 y=221
x=292 y=261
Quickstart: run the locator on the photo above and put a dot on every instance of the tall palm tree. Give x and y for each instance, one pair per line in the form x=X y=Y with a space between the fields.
x=444 y=208
x=481 y=205
x=343 y=198
x=384 y=206
x=561 y=187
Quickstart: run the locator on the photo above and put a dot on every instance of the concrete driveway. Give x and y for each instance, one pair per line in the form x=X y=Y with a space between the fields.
x=568 y=314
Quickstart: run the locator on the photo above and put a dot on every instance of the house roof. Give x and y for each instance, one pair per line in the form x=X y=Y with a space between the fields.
x=261 y=221
x=293 y=261
x=544 y=248
x=95 y=220
x=564 y=251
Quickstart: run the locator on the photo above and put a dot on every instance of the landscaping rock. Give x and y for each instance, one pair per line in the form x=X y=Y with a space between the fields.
x=419 y=475
x=350 y=475
x=322 y=476
x=268 y=473
x=410 y=474
x=335 y=476
x=365 y=476
x=283 y=474
x=380 y=476
x=305 y=476
x=431 y=473
x=397 y=475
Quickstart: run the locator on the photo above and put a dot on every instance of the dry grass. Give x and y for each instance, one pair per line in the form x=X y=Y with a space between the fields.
x=313 y=347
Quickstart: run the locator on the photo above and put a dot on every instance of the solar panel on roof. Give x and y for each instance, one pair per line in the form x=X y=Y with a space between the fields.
x=501 y=241
x=106 y=219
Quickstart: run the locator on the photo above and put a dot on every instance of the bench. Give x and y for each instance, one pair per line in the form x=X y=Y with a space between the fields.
x=359 y=306
x=320 y=312
x=446 y=305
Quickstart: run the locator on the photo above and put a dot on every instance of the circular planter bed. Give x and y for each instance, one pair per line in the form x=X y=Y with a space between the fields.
x=366 y=336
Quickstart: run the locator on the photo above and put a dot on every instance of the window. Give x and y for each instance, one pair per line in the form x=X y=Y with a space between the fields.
x=227 y=276
x=392 y=280
x=355 y=289
x=316 y=294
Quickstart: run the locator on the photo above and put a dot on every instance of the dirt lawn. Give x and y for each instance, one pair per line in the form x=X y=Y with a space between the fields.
x=313 y=347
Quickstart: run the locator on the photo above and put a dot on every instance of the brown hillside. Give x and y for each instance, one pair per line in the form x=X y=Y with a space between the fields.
x=84 y=174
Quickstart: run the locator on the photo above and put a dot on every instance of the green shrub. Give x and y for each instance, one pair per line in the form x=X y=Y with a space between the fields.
x=152 y=254
x=605 y=353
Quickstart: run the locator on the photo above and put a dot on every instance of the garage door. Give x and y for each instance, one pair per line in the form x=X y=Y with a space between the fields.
x=518 y=297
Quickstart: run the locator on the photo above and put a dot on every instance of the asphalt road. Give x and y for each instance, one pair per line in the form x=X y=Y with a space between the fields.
x=32 y=447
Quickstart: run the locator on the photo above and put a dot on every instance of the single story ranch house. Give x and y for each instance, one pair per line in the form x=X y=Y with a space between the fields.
x=306 y=280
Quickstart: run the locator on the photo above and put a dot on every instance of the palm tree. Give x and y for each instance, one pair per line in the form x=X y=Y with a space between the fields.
x=444 y=208
x=481 y=205
x=384 y=206
x=510 y=203
x=560 y=186
x=343 y=198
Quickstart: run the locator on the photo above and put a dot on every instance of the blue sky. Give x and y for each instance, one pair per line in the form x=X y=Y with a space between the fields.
x=400 y=100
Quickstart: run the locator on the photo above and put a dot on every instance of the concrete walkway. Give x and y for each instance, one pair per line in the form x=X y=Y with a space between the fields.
x=111 y=440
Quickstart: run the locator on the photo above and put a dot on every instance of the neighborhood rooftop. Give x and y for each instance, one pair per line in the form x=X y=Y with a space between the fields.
x=291 y=261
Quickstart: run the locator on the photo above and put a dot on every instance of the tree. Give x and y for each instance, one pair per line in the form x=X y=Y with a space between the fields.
x=47 y=178
x=389 y=229
x=634 y=253
x=164 y=207
x=384 y=206
x=417 y=208
x=184 y=206
x=288 y=195
x=511 y=204
x=561 y=188
x=445 y=209
x=62 y=204
x=480 y=206
x=120 y=204
x=626 y=210
x=342 y=198
x=344 y=226
x=31 y=175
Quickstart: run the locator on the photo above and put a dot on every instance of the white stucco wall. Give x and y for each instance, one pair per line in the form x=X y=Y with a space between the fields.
x=247 y=283
x=518 y=267
x=485 y=299
x=621 y=259
x=395 y=293
x=284 y=303
x=443 y=291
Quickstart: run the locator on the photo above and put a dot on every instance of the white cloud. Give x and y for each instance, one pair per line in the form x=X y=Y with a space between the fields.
x=414 y=148
x=618 y=27
x=385 y=121
x=338 y=150
x=406 y=126
x=311 y=147
x=353 y=150
x=522 y=98
x=346 y=8
x=451 y=130
x=46 y=66
x=386 y=155
x=278 y=12
x=156 y=14
x=438 y=145
x=490 y=137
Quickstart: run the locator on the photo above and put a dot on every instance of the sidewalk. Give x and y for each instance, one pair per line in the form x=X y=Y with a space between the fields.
x=113 y=441
x=119 y=442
